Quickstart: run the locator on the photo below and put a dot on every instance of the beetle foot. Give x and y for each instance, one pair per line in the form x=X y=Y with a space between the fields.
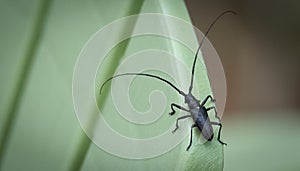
x=172 y=113
x=174 y=130
x=222 y=142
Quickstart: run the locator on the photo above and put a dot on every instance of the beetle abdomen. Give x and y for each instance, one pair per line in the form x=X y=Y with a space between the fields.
x=204 y=125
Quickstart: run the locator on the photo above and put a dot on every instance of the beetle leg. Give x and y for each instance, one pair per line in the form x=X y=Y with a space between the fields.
x=205 y=100
x=216 y=113
x=182 y=117
x=177 y=106
x=220 y=127
x=193 y=126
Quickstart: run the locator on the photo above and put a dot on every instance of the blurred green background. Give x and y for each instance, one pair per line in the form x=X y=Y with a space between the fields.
x=259 y=50
x=40 y=42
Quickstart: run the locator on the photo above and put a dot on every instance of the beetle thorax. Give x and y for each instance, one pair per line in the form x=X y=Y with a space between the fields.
x=191 y=101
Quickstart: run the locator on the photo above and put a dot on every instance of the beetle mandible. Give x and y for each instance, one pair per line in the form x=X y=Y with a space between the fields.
x=196 y=108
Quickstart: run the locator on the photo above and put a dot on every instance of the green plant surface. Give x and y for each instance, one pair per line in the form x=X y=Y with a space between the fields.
x=19 y=23
x=38 y=122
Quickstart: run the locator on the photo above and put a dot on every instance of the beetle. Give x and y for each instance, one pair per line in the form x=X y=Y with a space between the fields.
x=196 y=108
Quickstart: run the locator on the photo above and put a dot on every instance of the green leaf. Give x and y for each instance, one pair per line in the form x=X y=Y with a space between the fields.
x=39 y=128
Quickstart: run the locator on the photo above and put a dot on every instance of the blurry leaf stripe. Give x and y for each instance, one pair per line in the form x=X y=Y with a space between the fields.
x=36 y=34
x=84 y=144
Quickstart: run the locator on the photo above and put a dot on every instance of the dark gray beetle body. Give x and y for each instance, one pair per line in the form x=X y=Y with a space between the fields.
x=200 y=116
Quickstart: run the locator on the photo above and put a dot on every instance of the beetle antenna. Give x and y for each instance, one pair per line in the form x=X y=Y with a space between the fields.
x=147 y=75
x=206 y=33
